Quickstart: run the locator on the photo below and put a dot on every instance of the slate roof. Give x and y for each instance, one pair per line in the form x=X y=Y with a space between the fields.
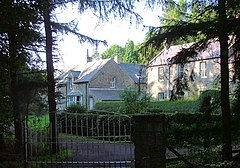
x=212 y=51
x=106 y=95
x=75 y=74
x=62 y=78
x=90 y=69
x=75 y=92
x=133 y=70
x=84 y=73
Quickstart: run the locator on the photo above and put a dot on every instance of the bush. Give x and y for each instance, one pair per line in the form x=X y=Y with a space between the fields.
x=183 y=128
x=209 y=101
x=76 y=108
x=135 y=102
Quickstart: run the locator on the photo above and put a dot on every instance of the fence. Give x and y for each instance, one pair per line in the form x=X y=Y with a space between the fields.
x=84 y=140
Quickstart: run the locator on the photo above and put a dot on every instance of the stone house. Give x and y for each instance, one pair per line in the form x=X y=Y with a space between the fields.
x=100 y=80
x=200 y=73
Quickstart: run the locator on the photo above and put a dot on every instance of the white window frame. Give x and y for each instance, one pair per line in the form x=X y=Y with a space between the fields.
x=160 y=73
x=113 y=82
x=203 y=69
x=73 y=100
x=80 y=101
x=180 y=71
x=70 y=83
x=161 y=96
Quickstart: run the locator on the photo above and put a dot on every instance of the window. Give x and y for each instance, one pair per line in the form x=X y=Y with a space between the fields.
x=70 y=100
x=74 y=100
x=203 y=73
x=70 y=83
x=180 y=71
x=79 y=100
x=113 y=82
x=161 y=74
x=160 y=96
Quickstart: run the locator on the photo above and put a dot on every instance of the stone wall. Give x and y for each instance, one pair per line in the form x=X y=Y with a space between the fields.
x=149 y=140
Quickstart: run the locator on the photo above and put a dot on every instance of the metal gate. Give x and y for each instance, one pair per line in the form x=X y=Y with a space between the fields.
x=95 y=139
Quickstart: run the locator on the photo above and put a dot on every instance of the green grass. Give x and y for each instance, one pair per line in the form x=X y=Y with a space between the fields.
x=48 y=157
x=88 y=139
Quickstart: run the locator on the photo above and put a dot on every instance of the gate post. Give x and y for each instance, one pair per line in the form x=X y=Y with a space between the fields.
x=150 y=142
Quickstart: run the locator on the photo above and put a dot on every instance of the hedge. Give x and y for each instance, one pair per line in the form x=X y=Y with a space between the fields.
x=111 y=106
x=181 y=106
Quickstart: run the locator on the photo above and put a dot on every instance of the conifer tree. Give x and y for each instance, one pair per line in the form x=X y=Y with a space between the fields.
x=218 y=26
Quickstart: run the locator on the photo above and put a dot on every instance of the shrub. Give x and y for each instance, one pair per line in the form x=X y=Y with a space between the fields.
x=134 y=102
x=189 y=128
x=76 y=108
x=209 y=101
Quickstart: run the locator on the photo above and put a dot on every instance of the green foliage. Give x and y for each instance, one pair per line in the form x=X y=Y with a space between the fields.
x=203 y=157
x=96 y=124
x=178 y=164
x=111 y=106
x=220 y=164
x=130 y=99
x=209 y=101
x=129 y=53
x=180 y=106
x=17 y=163
x=76 y=108
x=146 y=54
x=114 y=50
x=135 y=102
x=189 y=128
x=38 y=123
x=174 y=13
x=44 y=155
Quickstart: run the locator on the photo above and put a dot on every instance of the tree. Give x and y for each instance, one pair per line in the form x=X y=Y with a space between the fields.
x=50 y=74
x=174 y=13
x=130 y=55
x=101 y=8
x=211 y=28
x=114 y=50
x=18 y=31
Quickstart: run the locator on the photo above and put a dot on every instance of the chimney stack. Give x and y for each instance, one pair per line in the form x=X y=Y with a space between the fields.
x=89 y=59
x=117 y=59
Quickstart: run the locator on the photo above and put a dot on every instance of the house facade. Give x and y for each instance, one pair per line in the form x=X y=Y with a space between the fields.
x=101 y=80
x=166 y=80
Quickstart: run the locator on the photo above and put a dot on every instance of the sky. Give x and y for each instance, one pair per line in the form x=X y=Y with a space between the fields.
x=114 y=32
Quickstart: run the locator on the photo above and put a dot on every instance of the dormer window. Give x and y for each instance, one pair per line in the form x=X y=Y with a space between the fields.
x=113 y=82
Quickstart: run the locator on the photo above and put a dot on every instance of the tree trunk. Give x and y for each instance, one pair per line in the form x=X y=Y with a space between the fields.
x=14 y=94
x=50 y=77
x=225 y=104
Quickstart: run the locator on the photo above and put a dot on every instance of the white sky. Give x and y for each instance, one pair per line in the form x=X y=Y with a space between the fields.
x=114 y=32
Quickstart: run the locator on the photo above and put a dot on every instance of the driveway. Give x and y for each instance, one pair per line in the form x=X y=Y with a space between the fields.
x=90 y=153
